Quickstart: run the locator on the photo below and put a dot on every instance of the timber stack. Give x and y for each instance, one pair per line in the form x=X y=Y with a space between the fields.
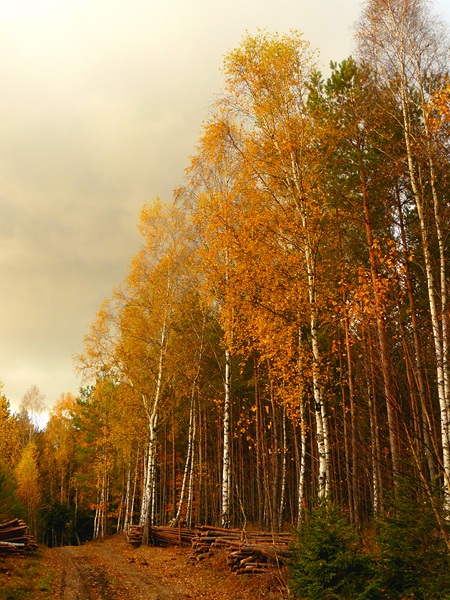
x=15 y=539
x=171 y=536
x=247 y=552
x=161 y=536
x=134 y=535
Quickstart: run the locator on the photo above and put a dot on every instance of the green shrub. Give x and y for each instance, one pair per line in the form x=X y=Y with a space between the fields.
x=414 y=559
x=329 y=562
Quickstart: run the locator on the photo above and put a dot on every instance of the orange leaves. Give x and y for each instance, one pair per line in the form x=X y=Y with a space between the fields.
x=9 y=435
x=438 y=108
x=28 y=483
x=266 y=72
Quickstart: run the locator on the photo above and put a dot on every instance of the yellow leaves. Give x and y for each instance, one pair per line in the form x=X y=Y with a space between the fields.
x=28 y=487
x=438 y=108
x=267 y=63
x=9 y=435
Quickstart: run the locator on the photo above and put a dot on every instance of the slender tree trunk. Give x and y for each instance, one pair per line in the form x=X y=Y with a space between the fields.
x=275 y=475
x=226 y=460
x=301 y=496
x=438 y=320
x=354 y=441
x=190 y=498
x=189 y=458
x=391 y=401
x=258 y=436
x=148 y=500
x=419 y=370
x=283 y=472
x=323 y=443
x=375 y=431
x=346 y=436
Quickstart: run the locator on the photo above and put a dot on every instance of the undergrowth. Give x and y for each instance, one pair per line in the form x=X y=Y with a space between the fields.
x=410 y=559
x=24 y=578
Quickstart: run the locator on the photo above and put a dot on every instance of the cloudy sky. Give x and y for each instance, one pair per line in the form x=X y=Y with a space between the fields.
x=101 y=104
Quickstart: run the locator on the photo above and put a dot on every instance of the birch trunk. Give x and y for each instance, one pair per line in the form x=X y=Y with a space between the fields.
x=126 y=516
x=407 y=46
x=419 y=369
x=190 y=498
x=438 y=320
x=322 y=433
x=226 y=463
x=302 y=457
x=148 y=494
x=283 y=472
x=189 y=466
x=258 y=437
x=323 y=445
x=189 y=458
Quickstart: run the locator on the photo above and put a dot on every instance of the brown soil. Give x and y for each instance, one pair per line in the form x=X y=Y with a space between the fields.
x=113 y=569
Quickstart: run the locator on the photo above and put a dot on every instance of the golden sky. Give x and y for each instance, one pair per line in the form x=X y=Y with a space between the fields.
x=101 y=104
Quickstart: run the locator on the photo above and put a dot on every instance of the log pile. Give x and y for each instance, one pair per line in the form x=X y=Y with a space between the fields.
x=15 y=539
x=247 y=552
x=134 y=535
x=257 y=558
x=161 y=536
x=171 y=536
x=208 y=539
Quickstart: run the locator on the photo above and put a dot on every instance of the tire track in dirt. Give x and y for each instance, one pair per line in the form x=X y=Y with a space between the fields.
x=74 y=584
x=97 y=572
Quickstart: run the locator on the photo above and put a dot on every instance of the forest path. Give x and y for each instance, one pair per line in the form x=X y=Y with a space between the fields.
x=113 y=569
x=105 y=571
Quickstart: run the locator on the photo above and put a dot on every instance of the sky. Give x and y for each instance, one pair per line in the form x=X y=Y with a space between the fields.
x=101 y=105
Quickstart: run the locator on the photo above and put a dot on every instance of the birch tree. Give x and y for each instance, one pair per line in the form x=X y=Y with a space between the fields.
x=405 y=46
x=131 y=335
x=267 y=83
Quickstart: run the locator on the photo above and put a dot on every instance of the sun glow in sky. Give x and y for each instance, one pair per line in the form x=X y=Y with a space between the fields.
x=101 y=106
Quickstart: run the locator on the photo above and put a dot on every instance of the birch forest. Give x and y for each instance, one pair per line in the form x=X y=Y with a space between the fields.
x=282 y=337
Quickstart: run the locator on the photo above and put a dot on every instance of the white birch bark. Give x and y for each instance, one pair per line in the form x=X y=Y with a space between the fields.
x=148 y=504
x=226 y=464
x=188 y=463
x=406 y=44
x=283 y=472
x=302 y=467
x=188 y=474
x=133 y=497
x=126 y=515
x=190 y=498
x=323 y=444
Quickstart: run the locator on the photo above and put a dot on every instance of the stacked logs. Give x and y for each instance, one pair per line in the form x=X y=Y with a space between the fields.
x=171 y=536
x=134 y=535
x=15 y=539
x=257 y=558
x=208 y=539
x=161 y=536
x=247 y=552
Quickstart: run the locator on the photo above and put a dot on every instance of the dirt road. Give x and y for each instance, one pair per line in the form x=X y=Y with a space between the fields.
x=98 y=572
x=112 y=569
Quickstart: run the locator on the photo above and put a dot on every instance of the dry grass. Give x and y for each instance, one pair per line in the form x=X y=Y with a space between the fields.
x=23 y=578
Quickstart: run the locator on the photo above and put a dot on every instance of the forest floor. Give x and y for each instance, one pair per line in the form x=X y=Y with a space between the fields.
x=112 y=569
